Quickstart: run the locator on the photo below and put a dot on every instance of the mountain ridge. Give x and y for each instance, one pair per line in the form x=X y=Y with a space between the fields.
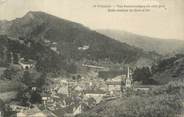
x=70 y=36
x=161 y=46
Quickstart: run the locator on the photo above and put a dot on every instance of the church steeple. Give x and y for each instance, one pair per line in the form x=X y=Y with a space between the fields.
x=128 y=73
x=11 y=58
x=128 y=82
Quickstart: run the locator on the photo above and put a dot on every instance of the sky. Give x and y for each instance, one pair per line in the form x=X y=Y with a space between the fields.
x=166 y=23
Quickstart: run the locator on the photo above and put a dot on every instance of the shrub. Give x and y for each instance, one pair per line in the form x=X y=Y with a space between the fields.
x=164 y=101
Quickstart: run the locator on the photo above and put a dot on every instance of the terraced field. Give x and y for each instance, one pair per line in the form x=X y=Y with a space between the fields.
x=8 y=89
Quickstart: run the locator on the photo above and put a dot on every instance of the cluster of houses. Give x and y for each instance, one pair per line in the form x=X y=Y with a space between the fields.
x=34 y=111
x=71 y=97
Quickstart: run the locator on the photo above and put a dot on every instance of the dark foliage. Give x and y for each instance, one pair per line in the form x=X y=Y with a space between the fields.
x=35 y=97
x=143 y=75
x=41 y=81
x=169 y=69
x=109 y=74
x=27 y=79
x=166 y=63
x=46 y=59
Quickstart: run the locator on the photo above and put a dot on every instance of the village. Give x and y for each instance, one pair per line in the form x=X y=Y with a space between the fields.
x=75 y=94
x=67 y=58
x=71 y=96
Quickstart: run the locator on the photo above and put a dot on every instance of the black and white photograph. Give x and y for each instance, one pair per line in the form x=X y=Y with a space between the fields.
x=91 y=58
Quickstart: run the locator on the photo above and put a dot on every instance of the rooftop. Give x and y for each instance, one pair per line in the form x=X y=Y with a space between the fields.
x=29 y=61
x=94 y=92
x=113 y=83
x=145 y=86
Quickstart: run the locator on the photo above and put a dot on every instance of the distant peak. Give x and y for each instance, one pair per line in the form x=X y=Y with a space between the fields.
x=35 y=13
x=29 y=15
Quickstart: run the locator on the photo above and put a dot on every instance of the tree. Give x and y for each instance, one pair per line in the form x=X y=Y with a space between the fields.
x=71 y=68
x=35 y=97
x=143 y=75
x=27 y=79
x=41 y=80
x=12 y=73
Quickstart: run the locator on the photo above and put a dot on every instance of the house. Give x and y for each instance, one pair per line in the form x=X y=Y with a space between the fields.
x=47 y=41
x=94 y=67
x=17 y=108
x=114 y=85
x=64 y=87
x=21 y=114
x=71 y=111
x=79 y=88
x=144 y=88
x=51 y=85
x=77 y=110
x=95 y=94
x=26 y=64
x=114 y=88
x=34 y=88
x=85 y=47
x=117 y=78
x=22 y=111
x=119 y=83
x=33 y=113
x=63 y=90
x=53 y=47
x=45 y=98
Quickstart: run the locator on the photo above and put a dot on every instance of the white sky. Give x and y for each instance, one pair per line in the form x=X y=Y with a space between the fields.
x=157 y=23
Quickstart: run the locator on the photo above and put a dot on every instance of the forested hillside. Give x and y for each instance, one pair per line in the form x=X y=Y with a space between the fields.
x=74 y=41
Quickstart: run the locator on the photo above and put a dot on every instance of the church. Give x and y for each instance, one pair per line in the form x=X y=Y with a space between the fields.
x=120 y=84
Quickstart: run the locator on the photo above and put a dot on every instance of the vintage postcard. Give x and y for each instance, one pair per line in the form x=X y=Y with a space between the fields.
x=91 y=58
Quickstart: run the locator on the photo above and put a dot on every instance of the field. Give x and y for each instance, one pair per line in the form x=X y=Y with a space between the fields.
x=8 y=89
